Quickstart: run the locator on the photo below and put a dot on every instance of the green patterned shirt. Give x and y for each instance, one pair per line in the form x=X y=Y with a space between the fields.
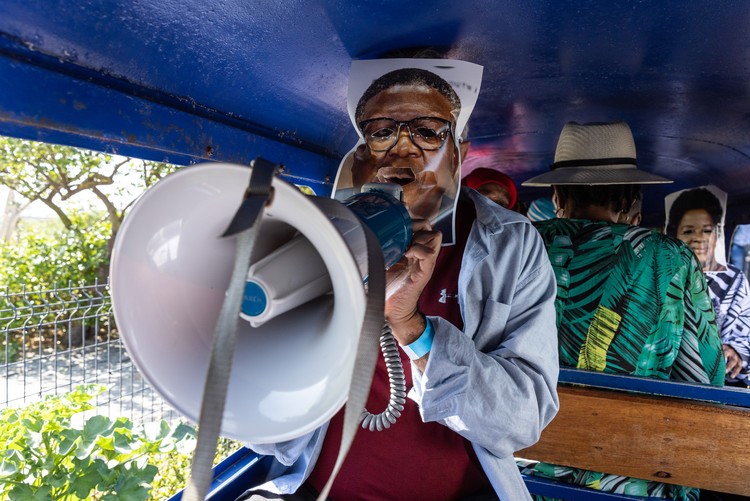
x=630 y=301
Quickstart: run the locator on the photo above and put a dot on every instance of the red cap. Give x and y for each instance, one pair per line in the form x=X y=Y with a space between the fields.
x=483 y=175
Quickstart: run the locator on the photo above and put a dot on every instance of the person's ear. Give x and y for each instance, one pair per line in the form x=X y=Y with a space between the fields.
x=555 y=199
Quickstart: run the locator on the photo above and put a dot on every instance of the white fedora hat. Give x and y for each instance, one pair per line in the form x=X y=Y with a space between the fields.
x=595 y=153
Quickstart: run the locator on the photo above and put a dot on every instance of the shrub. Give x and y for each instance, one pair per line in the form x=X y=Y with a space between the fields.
x=47 y=458
x=43 y=256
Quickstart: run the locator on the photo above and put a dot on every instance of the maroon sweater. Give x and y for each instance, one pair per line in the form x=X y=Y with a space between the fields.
x=411 y=459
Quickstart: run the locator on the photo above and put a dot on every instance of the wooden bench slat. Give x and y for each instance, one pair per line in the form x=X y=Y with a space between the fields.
x=669 y=440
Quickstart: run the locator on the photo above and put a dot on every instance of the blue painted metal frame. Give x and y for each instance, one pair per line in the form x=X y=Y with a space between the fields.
x=727 y=395
x=550 y=488
x=235 y=474
x=69 y=104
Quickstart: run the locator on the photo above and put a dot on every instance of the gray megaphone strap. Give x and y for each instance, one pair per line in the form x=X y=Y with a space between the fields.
x=245 y=224
x=369 y=339
x=223 y=344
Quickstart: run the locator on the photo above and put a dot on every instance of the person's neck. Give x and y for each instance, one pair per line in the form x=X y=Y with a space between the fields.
x=712 y=265
x=593 y=213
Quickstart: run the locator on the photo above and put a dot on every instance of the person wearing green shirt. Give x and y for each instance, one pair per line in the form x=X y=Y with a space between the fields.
x=629 y=299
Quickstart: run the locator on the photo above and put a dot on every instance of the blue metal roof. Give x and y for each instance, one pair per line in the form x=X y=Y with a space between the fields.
x=227 y=80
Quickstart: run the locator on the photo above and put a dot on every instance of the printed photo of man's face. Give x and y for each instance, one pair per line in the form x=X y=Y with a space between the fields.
x=409 y=140
x=407 y=121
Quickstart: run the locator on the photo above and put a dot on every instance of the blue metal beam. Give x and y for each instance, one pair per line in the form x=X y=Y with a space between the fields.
x=235 y=474
x=559 y=490
x=692 y=391
x=72 y=105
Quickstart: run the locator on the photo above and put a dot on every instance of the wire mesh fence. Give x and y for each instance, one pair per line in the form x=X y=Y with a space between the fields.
x=55 y=339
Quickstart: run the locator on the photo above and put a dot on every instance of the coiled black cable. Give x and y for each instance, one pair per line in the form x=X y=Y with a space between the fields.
x=397 y=381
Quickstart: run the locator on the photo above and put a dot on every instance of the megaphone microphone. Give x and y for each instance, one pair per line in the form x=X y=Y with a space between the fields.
x=295 y=273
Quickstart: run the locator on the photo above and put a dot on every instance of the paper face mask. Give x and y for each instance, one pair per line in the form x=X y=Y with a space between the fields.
x=690 y=218
x=409 y=114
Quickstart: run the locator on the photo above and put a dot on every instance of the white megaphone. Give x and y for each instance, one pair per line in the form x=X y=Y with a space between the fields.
x=170 y=270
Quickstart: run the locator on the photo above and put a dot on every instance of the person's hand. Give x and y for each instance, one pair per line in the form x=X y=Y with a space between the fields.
x=734 y=362
x=406 y=279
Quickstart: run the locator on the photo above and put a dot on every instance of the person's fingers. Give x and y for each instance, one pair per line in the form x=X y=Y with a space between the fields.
x=427 y=238
x=424 y=241
x=418 y=225
x=424 y=245
x=733 y=361
x=734 y=365
x=733 y=368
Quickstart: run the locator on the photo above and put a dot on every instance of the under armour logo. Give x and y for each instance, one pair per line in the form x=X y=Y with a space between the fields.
x=444 y=296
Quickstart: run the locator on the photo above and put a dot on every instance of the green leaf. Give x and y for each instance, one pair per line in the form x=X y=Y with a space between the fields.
x=129 y=487
x=34 y=424
x=97 y=426
x=156 y=431
x=108 y=475
x=69 y=440
x=44 y=493
x=8 y=468
x=84 y=482
x=149 y=473
x=33 y=439
x=57 y=480
x=186 y=438
x=123 y=423
x=48 y=463
x=84 y=449
x=124 y=444
x=21 y=492
x=184 y=430
x=106 y=443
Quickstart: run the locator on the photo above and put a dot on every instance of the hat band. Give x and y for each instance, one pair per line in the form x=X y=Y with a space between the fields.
x=591 y=162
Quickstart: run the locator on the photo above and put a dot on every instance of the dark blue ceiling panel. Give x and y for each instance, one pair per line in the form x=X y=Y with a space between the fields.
x=677 y=70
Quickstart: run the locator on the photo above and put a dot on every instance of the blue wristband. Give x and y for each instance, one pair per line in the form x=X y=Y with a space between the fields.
x=423 y=344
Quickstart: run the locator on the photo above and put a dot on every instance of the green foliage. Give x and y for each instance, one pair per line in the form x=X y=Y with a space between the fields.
x=55 y=174
x=42 y=257
x=43 y=170
x=59 y=176
x=47 y=458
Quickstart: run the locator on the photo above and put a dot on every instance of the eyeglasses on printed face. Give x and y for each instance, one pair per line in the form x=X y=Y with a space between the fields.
x=428 y=133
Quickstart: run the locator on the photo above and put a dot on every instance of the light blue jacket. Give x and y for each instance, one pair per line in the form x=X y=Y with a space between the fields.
x=495 y=382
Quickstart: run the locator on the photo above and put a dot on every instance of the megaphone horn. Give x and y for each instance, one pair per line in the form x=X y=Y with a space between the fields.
x=170 y=271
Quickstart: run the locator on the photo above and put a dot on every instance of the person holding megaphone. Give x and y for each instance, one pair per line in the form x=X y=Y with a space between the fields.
x=474 y=319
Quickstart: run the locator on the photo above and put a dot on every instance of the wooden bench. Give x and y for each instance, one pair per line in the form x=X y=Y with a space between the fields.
x=671 y=432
